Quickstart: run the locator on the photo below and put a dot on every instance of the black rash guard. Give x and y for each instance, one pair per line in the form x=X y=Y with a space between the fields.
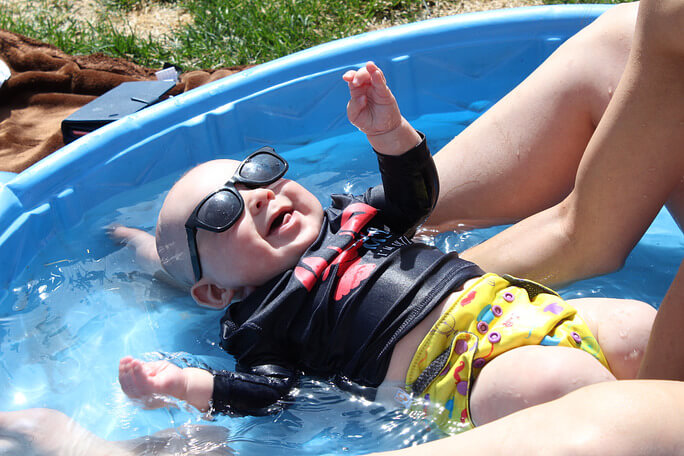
x=360 y=287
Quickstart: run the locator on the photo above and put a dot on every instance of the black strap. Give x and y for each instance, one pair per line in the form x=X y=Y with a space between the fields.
x=532 y=288
x=431 y=372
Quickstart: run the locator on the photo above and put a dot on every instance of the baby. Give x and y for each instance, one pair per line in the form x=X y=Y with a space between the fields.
x=345 y=292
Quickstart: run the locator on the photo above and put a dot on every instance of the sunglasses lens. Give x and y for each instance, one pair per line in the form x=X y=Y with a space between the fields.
x=221 y=210
x=262 y=167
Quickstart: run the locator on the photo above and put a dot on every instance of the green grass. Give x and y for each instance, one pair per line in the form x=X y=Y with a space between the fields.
x=574 y=2
x=239 y=32
x=57 y=23
x=222 y=32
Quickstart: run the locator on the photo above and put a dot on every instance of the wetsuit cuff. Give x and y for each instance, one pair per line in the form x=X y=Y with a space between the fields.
x=220 y=394
x=420 y=153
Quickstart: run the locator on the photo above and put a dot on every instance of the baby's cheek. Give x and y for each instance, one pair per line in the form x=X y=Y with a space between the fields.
x=261 y=266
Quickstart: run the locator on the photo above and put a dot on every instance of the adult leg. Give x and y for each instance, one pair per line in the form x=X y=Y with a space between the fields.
x=632 y=166
x=664 y=356
x=661 y=35
x=48 y=432
x=43 y=432
x=522 y=155
x=627 y=418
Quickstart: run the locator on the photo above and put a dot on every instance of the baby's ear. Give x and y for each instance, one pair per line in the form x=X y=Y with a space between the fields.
x=208 y=294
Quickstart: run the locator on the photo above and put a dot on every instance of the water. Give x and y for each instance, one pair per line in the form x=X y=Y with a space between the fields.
x=83 y=304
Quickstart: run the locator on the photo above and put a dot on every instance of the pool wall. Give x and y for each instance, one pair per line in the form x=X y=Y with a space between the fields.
x=461 y=63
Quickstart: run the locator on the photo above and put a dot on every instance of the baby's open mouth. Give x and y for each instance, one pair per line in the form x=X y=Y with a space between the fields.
x=281 y=219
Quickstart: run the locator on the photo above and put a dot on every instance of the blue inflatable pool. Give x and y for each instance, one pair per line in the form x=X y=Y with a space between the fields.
x=453 y=64
x=72 y=303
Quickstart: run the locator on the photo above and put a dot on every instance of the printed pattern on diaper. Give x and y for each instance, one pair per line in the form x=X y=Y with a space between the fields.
x=489 y=318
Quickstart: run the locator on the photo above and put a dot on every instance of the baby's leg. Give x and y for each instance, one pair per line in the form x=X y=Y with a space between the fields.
x=531 y=375
x=622 y=328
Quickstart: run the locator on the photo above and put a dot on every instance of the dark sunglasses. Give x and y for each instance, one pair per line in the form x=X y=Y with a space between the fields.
x=220 y=210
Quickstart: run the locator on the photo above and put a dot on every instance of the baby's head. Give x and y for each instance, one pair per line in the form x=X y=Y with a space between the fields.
x=278 y=221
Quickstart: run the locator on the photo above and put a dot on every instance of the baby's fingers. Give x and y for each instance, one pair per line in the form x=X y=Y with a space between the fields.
x=357 y=78
x=378 y=80
x=349 y=75
x=377 y=77
x=133 y=378
x=126 y=377
x=124 y=234
x=356 y=106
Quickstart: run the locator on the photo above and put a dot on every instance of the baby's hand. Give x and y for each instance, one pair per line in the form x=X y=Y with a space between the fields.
x=128 y=236
x=372 y=107
x=150 y=381
x=141 y=242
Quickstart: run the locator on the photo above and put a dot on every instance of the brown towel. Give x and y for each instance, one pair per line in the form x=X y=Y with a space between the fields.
x=47 y=85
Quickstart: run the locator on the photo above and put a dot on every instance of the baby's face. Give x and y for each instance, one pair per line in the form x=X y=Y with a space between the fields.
x=278 y=224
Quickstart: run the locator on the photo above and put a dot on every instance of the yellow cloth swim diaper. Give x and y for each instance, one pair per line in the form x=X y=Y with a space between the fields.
x=493 y=315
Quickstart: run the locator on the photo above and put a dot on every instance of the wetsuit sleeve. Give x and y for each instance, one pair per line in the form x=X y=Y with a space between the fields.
x=251 y=391
x=409 y=189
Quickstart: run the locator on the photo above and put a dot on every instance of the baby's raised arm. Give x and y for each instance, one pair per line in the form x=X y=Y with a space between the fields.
x=373 y=109
x=410 y=185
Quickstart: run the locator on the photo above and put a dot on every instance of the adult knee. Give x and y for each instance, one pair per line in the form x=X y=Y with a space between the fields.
x=598 y=55
x=581 y=239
